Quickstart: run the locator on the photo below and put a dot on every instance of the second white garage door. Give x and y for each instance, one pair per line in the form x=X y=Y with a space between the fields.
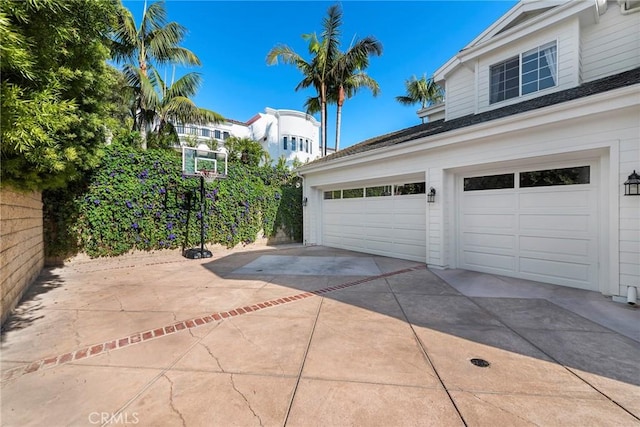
x=534 y=223
x=392 y=224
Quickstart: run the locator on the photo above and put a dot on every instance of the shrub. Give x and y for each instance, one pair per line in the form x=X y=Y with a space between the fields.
x=140 y=200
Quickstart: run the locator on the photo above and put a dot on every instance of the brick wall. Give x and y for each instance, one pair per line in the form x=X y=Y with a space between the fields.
x=21 y=245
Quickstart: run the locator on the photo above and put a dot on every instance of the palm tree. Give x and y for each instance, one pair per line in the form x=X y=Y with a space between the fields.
x=317 y=72
x=348 y=75
x=171 y=104
x=154 y=42
x=424 y=91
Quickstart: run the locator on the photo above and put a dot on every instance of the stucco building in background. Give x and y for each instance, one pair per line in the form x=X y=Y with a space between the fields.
x=289 y=133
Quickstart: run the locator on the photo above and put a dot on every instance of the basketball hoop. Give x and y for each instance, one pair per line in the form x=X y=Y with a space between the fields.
x=208 y=175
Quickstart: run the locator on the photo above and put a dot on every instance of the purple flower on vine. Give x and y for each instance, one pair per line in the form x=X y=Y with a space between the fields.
x=96 y=202
x=129 y=204
x=172 y=236
x=169 y=225
x=135 y=226
x=162 y=190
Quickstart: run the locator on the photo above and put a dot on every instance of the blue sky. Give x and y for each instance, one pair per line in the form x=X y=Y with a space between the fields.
x=232 y=39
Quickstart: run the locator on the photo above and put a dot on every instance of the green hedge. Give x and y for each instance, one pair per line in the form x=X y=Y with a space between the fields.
x=140 y=200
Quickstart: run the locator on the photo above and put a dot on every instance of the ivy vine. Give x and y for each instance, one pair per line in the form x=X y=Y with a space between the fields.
x=139 y=200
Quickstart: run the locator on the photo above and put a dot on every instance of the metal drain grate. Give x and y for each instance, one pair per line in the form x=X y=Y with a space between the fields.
x=481 y=363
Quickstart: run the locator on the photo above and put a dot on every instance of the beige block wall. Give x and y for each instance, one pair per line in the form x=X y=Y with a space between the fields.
x=21 y=245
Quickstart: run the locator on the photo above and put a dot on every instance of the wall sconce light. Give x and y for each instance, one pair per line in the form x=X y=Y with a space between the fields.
x=431 y=196
x=632 y=185
x=305 y=201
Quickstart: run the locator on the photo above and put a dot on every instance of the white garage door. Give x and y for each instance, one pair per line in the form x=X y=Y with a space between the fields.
x=537 y=224
x=387 y=223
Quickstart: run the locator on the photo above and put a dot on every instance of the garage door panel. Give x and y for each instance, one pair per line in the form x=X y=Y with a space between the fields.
x=504 y=263
x=414 y=252
x=555 y=200
x=487 y=240
x=483 y=200
x=555 y=269
x=491 y=221
x=555 y=245
x=548 y=222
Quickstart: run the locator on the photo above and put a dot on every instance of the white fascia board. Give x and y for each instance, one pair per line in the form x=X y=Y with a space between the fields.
x=535 y=24
x=595 y=104
x=476 y=49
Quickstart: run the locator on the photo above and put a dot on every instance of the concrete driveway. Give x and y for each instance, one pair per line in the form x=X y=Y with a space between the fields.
x=312 y=336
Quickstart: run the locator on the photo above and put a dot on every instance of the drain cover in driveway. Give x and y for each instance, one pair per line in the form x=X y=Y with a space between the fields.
x=310 y=266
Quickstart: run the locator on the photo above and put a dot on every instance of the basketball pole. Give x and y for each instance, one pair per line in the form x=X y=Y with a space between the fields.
x=202 y=211
x=194 y=253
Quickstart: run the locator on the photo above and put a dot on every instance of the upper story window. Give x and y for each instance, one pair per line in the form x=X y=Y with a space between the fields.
x=216 y=134
x=206 y=132
x=539 y=68
x=505 y=80
x=225 y=135
x=293 y=143
x=284 y=142
x=530 y=72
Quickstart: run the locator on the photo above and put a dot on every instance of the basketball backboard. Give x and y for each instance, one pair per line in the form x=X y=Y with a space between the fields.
x=195 y=160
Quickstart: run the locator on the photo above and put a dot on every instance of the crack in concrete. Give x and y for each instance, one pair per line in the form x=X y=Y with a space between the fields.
x=119 y=302
x=173 y=407
x=213 y=356
x=233 y=384
x=244 y=337
x=493 y=405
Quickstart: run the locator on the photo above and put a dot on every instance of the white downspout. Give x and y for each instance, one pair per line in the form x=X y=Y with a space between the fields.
x=632 y=295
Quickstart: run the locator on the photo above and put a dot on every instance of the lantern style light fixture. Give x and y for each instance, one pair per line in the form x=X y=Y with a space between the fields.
x=305 y=201
x=431 y=196
x=632 y=185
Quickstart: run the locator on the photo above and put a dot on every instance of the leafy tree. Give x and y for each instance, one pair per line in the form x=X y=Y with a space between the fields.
x=424 y=91
x=55 y=86
x=141 y=49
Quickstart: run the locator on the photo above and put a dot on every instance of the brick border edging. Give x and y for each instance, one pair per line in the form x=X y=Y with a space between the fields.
x=138 y=337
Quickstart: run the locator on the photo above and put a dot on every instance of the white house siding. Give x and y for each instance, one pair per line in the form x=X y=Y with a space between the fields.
x=629 y=213
x=582 y=130
x=611 y=46
x=437 y=237
x=566 y=35
x=460 y=90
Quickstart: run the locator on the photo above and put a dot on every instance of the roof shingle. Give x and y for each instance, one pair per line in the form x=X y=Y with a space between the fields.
x=605 y=84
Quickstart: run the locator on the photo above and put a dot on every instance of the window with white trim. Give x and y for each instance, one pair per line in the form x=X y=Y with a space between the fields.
x=539 y=68
x=530 y=72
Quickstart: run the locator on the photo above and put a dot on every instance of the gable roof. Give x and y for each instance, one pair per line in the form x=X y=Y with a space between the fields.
x=523 y=19
x=627 y=78
x=518 y=14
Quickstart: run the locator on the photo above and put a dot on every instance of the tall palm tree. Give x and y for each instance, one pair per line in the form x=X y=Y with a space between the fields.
x=155 y=42
x=317 y=71
x=424 y=91
x=348 y=75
